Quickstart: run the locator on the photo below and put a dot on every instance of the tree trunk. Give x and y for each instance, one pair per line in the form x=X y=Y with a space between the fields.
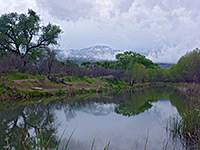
x=24 y=63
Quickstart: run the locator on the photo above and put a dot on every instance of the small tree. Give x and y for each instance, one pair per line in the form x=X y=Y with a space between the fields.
x=21 y=34
x=136 y=73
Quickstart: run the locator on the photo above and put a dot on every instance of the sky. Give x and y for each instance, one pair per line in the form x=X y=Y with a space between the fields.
x=163 y=30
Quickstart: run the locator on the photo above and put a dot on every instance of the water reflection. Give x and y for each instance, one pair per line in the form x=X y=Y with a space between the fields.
x=17 y=124
x=125 y=119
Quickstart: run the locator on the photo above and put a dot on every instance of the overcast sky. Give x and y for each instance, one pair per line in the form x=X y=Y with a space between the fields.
x=164 y=30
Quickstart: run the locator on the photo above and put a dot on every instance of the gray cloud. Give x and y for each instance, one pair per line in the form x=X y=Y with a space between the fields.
x=73 y=10
x=70 y=10
x=125 y=5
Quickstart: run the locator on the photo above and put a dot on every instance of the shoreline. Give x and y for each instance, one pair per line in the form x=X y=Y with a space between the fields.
x=17 y=87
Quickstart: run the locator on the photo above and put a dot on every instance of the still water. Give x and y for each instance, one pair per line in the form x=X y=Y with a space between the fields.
x=127 y=120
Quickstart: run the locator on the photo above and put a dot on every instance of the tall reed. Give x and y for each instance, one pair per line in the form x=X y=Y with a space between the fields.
x=187 y=126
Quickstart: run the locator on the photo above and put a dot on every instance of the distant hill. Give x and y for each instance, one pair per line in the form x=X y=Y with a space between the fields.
x=164 y=65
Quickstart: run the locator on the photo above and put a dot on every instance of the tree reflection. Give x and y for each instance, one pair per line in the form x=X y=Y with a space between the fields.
x=135 y=103
x=17 y=124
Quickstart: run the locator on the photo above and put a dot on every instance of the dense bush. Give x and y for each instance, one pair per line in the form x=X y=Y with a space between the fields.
x=187 y=69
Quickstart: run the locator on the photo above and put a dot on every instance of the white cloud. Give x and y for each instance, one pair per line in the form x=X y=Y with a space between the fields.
x=21 y=6
x=167 y=29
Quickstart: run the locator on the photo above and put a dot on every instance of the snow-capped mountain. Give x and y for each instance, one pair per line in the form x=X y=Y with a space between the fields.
x=94 y=53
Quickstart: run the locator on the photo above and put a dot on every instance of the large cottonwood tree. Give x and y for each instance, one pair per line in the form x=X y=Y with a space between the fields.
x=22 y=34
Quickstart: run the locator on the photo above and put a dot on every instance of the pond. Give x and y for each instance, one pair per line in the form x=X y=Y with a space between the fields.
x=123 y=121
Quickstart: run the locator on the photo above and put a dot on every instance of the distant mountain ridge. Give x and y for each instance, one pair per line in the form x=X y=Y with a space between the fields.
x=95 y=53
x=164 y=65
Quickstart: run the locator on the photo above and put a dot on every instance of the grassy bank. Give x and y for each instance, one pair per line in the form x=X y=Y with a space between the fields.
x=17 y=86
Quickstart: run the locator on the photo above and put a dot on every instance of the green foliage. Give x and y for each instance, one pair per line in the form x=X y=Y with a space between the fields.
x=13 y=75
x=34 y=93
x=86 y=64
x=92 y=90
x=5 y=91
x=41 y=140
x=174 y=74
x=70 y=63
x=104 y=64
x=187 y=68
x=83 y=80
x=134 y=57
x=136 y=73
x=83 y=90
x=37 y=93
x=104 y=90
x=88 y=80
x=107 y=146
x=116 y=84
x=59 y=91
x=158 y=75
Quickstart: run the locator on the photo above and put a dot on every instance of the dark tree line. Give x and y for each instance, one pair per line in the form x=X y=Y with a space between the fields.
x=186 y=70
x=138 y=69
